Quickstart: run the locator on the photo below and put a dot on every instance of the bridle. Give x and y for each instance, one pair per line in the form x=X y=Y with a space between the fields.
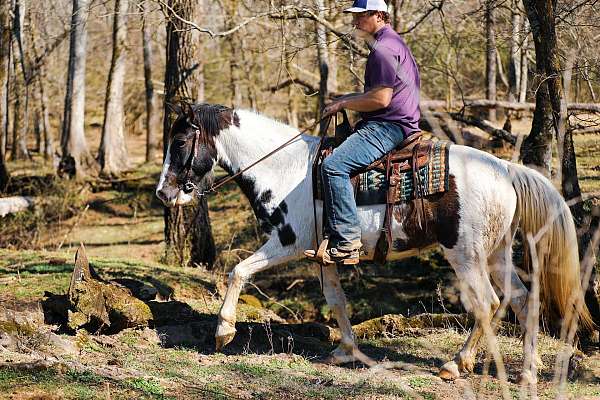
x=190 y=186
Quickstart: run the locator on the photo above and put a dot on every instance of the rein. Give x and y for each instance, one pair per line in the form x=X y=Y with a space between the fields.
x=190 y=186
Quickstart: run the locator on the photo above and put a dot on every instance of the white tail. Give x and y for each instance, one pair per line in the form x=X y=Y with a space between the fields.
x=543 y=213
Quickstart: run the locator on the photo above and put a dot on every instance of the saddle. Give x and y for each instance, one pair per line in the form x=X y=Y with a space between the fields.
x=405 y=174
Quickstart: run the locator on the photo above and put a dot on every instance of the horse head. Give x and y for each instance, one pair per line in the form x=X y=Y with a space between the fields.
x=191 y=153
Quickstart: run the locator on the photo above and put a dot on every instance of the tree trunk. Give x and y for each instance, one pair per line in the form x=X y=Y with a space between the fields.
x=76 y=159
x=490 y=51
x=395 y=15
x=323 y=60
x=48 y=141
x=235 y=56
x=537 y=147
x=586 y=76
x=151 y=105
x=112 y=154
x=47 y=146
x=21 y=85
x=16 y=151
x=524 y=64
x=514 y=65
x=4 y=67
x=551 y=70
x=188 y=233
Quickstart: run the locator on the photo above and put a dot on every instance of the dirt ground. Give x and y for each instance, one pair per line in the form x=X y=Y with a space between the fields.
x=284 y=326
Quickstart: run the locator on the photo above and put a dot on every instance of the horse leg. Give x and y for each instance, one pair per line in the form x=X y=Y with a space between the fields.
x=506 y=279
x=478 y=296
x=504 y=275
x=261 y=260
x=336 y=300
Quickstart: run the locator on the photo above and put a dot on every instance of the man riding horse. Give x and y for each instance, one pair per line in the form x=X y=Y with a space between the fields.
x=389 y=107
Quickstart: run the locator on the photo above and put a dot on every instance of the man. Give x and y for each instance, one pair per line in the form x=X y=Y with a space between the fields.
x=389 y=107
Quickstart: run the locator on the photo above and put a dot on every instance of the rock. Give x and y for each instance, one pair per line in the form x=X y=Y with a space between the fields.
x=100 y=304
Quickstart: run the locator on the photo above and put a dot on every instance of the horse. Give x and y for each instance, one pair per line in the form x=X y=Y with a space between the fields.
x=474 y=222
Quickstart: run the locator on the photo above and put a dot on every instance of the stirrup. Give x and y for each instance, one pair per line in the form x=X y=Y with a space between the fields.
x=332 y=256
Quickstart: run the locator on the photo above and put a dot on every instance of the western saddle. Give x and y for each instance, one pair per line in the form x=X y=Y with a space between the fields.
x=410 y=155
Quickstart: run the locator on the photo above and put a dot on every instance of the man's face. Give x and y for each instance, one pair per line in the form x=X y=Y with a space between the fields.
x=366 y=22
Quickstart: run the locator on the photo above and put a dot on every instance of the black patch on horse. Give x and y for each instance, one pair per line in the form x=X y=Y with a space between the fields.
x=442 y=215
x=287 y=237
x=268 y=219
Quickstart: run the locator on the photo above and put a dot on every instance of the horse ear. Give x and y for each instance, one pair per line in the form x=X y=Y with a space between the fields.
x=175 y=108
x=188 y=111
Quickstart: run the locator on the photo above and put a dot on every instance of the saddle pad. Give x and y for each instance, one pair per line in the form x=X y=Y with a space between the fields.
x=372 y=185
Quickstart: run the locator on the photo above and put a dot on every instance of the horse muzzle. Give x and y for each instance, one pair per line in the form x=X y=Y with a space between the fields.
x=175 y=197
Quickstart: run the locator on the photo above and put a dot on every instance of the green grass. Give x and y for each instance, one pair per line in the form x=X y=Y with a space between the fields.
x=419 y=382
x=149 y=387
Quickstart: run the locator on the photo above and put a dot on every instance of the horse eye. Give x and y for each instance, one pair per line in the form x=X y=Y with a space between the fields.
x=179 y=143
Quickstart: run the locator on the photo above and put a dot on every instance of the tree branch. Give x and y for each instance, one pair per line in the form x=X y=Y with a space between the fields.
x=171 y=12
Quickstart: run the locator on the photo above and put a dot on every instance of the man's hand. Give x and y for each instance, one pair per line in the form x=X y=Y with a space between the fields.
x=333 y=108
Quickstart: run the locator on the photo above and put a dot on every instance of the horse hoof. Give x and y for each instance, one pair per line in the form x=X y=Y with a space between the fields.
x=224 y=340
x=449 y=371
x=343 y=354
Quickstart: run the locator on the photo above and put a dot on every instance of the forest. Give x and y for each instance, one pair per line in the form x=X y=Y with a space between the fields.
x=106 y=293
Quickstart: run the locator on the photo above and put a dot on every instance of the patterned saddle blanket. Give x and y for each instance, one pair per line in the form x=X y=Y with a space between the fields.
x=430 y=159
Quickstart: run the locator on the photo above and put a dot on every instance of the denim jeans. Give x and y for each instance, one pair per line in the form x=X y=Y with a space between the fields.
x=371 y=141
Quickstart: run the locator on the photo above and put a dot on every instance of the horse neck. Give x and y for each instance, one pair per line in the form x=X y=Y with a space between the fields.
x=256 y=136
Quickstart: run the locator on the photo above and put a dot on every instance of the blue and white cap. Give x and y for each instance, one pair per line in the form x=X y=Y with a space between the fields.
x=367 y=5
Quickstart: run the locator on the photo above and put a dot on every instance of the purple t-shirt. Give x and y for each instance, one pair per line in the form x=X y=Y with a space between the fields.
x=391 y=64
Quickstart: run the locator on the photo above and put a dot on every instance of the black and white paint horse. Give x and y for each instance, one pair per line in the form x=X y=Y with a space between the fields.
x=474 y=222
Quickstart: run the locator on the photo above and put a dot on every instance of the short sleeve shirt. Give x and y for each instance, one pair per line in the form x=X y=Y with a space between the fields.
x=391 y=64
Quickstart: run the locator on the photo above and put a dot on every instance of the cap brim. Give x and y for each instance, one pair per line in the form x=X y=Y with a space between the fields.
x=355 y=10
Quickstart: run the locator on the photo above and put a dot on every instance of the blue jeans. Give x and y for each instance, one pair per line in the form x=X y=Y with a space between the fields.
x=371 y=141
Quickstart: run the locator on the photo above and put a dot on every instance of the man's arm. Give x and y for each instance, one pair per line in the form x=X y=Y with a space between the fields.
x=374 y=99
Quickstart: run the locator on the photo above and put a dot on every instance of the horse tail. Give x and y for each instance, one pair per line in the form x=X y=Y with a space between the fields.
x=544 y=214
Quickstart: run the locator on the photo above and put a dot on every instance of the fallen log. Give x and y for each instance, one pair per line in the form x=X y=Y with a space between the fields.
x=479 y=123
x=15 y=204
x=442 y=105
x=586 y=131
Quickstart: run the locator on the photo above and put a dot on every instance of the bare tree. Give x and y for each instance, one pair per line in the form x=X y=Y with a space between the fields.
x=151 y=105
x=524 y=63
x=19 y=149
x=40 y=77
x=112 y=154
x=551 y=101
x=323 y=59
x=514 y=64
x=4 y=68
x=490 y=52
x=76 y=159
x=186 y=228
x=537 y=146
x=235 y=59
